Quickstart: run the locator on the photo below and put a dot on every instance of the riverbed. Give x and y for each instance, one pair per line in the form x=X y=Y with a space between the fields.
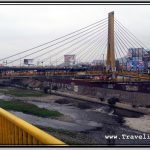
x=90 y=122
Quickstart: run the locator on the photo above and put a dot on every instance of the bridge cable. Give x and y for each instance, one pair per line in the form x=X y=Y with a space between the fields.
x=86 y=52
x=63 y=49
x=127 y=31
x=138 y=52
x=96 y=37
x=99 y=46
x=80 y=45
x=89 y=44
x=132 y=45
x=52 y=40
x=50 y=46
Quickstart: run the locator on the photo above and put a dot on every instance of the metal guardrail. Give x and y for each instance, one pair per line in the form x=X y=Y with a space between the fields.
x=15 y=131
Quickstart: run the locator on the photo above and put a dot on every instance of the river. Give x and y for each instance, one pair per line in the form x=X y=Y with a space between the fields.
x=89 y=119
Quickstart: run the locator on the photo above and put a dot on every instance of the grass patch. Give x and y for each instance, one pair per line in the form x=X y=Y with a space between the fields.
x=23 y=93
x=29 y=109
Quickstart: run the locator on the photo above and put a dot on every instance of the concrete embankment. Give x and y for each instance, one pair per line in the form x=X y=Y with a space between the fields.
x=130 y=100
x=118 y=105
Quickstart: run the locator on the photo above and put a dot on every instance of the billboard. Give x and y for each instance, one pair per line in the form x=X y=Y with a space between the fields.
x=129 y=53
x=135 y=65
x=69 y=59
x=129 y=65
x=137 y=58
x=28 y=61
x=135 y=52
x=141 y=65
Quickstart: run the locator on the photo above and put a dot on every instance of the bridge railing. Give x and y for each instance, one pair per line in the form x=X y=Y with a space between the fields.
x=15 y=131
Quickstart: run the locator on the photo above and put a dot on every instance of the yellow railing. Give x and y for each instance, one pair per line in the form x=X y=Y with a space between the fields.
x=15 y=131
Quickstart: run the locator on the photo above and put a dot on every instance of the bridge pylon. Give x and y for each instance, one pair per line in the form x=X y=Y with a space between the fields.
x=110 y=62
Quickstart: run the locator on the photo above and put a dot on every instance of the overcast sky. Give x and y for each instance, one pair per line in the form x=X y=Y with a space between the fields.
x=25 y=26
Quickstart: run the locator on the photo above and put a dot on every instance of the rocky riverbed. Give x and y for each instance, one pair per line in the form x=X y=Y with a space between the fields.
x=83 y=123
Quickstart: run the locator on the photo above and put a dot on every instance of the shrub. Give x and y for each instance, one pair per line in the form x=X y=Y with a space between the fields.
x=112 y=101
x=102 y=99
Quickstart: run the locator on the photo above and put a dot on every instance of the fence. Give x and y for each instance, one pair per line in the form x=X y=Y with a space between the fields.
x=15 y=131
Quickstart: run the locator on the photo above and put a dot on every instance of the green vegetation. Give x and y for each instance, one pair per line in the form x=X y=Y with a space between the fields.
x=22 y=93
x=28 y=108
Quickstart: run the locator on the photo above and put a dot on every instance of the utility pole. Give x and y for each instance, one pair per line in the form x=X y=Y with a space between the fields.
x=110 y=63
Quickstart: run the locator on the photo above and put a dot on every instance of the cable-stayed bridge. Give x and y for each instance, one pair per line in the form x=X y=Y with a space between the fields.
x=101 y=51
x=101 y=63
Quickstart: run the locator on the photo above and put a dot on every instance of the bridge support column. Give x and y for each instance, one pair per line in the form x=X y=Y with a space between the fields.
x=110 y=62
